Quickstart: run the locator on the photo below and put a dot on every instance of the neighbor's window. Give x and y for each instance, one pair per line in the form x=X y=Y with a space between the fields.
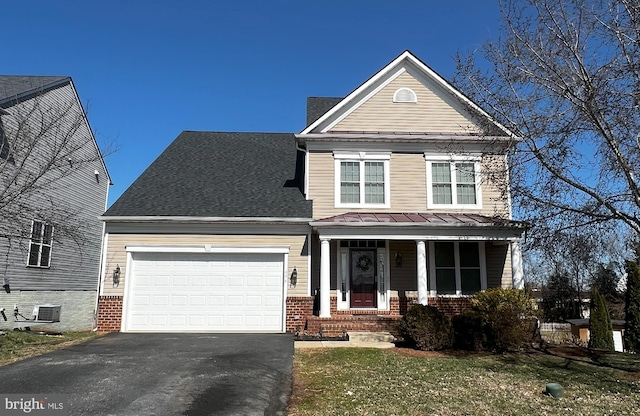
x=40 y=244
x=453 y=184
x=457 y=268
x=362 y=182
x=5 y=149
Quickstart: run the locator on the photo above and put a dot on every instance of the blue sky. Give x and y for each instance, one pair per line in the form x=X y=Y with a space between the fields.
x=149 y=69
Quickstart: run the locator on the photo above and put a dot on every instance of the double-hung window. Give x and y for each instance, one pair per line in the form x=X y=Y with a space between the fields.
x=453 y=182
x=457 y=267
x=362 y=180
x=40 y=244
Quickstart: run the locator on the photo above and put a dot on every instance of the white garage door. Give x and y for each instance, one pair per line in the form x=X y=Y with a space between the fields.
x=189 y=292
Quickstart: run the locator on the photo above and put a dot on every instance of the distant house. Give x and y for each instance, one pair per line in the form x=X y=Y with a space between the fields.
x=392 y=195
x=581 y=330
x=53 y=187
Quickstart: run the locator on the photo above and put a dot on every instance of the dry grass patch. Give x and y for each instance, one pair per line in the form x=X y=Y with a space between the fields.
x=346 y=381
x=18 y=345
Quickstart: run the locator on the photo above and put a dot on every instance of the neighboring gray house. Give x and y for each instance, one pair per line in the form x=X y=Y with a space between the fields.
x=53 y=187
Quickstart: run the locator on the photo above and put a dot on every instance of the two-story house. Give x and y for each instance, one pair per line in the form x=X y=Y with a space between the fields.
x=394 y=194
x=53 y=188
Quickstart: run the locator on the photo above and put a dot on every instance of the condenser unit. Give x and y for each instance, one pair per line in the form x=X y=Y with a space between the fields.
x=46 y=313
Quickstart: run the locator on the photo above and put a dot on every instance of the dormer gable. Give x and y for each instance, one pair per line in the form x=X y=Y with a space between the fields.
x=405 y=98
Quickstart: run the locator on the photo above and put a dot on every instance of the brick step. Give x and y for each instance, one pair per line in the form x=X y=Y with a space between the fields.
x=338 y=325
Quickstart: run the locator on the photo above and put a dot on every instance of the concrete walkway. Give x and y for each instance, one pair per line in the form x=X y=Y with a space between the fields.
x=342 y=344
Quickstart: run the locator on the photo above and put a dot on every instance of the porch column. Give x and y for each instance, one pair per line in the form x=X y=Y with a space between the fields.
x=422 y=272
x=517 y=272
x=325 y=278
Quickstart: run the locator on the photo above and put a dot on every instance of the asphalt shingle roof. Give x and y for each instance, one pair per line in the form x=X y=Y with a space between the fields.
x=12 y=86
x=318 y=106
x=215 y=174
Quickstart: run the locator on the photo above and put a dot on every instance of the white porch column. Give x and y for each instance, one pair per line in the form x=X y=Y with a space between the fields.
x=325 y=278
x=422 y=272
x=517 y=272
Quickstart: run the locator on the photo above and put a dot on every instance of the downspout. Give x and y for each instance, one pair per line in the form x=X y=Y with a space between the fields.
x=103 y=261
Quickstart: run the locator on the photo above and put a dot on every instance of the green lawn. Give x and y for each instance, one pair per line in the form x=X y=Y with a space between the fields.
x=346 y=381
x=16 y=345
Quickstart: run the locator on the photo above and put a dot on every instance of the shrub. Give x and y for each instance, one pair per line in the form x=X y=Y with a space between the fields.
x=468 y=331
x=426 y=327
x=601 y=335
x=632 y=309
x=509 y=318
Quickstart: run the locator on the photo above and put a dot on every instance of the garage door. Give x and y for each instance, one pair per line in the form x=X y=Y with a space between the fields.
x=189 y=292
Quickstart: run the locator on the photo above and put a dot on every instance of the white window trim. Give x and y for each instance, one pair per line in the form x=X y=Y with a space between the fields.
x=453 y=160
x=433 y=290
x=362 y=157
x=40 y=245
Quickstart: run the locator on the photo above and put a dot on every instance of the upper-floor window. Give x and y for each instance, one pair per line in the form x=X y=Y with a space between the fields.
x=453 y=182
x=40 y=244
x=362 y=180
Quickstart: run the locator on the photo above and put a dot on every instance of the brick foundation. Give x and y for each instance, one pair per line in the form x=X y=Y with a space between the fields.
x=109 y=313
x=450 y=306
x=300 y=315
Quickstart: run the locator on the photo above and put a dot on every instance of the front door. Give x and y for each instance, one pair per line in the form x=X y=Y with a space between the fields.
x=363 y=278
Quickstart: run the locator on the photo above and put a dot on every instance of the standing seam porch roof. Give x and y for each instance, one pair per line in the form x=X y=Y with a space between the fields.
x=417 y=218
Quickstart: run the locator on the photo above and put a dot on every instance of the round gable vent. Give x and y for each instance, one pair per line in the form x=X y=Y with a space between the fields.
x=405 y=95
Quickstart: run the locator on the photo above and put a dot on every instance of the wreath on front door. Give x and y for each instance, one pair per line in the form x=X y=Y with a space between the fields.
x=364 y=262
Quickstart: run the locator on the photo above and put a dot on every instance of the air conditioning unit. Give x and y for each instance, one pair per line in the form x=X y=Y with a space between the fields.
x=46 y=313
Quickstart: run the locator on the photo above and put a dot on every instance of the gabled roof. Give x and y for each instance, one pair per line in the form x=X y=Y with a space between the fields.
x=17 y=87
x=386 y=74
x=218 y=174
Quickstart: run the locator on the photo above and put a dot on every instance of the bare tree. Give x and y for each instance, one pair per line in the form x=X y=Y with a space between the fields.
x=44 y=142
x=564 y=77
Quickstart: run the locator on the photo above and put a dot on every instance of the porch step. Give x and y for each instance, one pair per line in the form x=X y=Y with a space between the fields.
x=371 y=337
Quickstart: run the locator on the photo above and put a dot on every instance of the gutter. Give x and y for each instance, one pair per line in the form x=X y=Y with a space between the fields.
x=321 y=224
x=199 y=220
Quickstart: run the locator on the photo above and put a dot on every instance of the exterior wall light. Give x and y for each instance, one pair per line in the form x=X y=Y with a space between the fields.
x=398 y=257
x=293 y=280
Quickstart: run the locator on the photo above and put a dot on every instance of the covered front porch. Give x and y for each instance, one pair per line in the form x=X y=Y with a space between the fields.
x=367 y=269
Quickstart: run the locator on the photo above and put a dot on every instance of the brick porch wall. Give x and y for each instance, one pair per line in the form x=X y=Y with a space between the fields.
x=299 y=309
x=300 y=317
x=109 y=313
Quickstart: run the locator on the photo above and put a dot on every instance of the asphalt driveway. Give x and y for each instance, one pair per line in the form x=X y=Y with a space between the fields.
x=163 y=374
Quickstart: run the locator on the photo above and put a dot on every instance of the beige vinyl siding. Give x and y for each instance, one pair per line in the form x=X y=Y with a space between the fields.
x=494 y=186
x=498 y=265
x=117 y=254
x=403 y=278
x=408 y=188
x=507 y=274
x=434 y=112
